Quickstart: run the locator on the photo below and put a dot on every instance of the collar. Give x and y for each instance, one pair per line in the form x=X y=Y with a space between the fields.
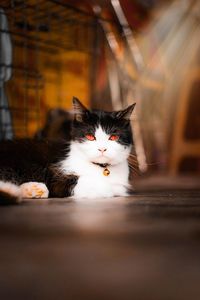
x=106 y=171
x=101 y=165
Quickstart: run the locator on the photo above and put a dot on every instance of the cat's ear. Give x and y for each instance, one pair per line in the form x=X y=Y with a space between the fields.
x=126 y=113
x=79 y=109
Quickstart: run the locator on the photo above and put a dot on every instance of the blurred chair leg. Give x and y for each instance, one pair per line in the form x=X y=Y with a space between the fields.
x=182 y=147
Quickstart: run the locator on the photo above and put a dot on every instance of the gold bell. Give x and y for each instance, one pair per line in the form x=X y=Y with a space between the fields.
x=106 y=172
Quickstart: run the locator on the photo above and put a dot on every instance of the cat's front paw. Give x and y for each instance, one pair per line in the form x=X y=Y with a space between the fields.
x=34 y=190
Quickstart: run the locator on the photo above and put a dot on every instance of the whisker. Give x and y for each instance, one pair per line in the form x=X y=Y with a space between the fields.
x=155 y=163
x=133 y=154
x=134 y=170
x=133 y=157
x=133 y=167
x=133 y=163
x=133 y=160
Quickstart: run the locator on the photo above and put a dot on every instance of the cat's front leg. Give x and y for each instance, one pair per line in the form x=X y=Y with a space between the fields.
x=61 y=185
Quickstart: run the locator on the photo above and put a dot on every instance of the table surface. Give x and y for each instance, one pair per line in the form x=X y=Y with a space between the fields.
x=146 y=246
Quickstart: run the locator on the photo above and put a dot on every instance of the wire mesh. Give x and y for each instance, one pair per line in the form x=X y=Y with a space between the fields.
x=41 y=33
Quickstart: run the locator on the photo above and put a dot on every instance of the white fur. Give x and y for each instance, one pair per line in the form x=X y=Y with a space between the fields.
x=10 y=188
x=92 y=183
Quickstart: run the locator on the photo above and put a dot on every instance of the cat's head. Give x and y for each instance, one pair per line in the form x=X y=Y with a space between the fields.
x=102 y=137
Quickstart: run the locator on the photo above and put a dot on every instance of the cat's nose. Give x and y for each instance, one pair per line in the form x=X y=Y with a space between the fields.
x=102 y=150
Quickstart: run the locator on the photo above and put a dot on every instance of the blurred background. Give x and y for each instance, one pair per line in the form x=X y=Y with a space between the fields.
x=108 y=53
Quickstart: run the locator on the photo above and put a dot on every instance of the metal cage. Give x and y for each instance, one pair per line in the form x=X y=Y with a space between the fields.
x=34 y=36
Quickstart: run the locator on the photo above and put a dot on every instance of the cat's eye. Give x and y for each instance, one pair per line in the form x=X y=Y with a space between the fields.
x=114 y=137
x=90 y=137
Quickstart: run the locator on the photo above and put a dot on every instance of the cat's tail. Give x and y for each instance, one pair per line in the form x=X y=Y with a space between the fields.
x=9 y=193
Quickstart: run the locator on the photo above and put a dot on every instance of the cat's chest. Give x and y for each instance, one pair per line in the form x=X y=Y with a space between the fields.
x=93 y=183
x=96 y=184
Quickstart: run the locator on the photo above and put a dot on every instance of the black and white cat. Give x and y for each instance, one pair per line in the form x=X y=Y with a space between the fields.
x=93 y=164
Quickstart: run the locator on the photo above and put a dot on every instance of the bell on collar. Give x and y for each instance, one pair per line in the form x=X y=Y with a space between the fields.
x=106 y=172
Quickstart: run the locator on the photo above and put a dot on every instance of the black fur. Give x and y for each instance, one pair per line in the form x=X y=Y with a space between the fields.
x=7 y=199
x=111 y=122
x=30 y=160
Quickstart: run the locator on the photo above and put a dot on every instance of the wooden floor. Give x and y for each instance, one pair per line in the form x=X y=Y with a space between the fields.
x=146 y=246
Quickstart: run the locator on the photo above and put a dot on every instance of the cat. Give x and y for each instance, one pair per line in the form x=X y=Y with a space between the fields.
x=93 y=164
